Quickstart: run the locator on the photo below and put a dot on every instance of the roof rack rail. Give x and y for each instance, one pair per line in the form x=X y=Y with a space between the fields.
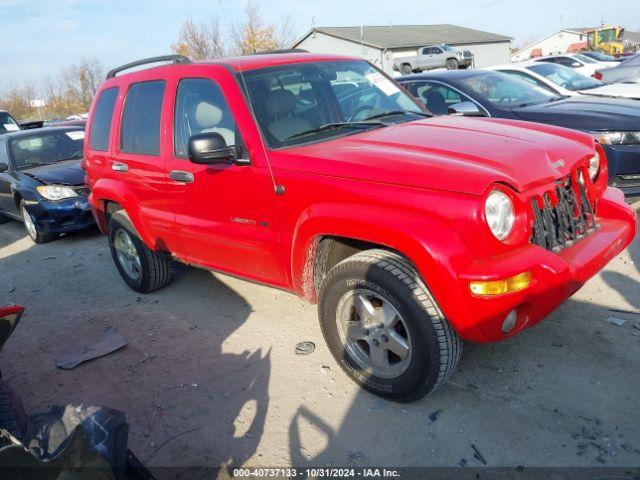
x=163 y=58
x=289 y=50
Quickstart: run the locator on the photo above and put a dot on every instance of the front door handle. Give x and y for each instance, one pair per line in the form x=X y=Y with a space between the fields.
x=180 y=176
x=119 y=167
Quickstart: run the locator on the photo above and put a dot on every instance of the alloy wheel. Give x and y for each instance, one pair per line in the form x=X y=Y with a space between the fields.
x=127 y=254
x=373 y=333
x=29 y=224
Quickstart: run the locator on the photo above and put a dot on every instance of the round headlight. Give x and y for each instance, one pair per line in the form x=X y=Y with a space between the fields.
x=594 y=166
x=498 y=210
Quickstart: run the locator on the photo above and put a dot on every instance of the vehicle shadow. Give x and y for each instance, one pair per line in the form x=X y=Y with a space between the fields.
x=181 y=387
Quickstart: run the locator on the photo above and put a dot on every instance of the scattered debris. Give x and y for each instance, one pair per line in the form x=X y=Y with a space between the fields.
x=478 y=456
x=305 y=348
x=152 y=445
x=53 y=257
x=109 y=342
x=324 y=369
x=146 y=357
x=433 y=416
x=463 y=462
x=616 y=321
x=12 y=289
x=356 y=456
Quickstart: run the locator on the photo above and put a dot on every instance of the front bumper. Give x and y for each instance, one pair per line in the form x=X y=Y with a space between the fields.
x=63 y=216
x=556 y=276
x=623 y=162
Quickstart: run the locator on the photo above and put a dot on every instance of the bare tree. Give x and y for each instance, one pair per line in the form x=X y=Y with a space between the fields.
x=199 y=41
x=286 y=34
x=18 y=101
x=253 y=35
x=82 y=81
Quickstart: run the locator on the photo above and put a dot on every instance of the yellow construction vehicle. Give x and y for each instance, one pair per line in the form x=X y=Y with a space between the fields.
x=606 y=39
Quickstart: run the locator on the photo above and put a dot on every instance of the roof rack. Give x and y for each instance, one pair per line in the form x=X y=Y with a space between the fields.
x=289 y=50
x=163 y=58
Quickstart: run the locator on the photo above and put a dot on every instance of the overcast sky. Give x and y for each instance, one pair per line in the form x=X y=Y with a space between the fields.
x=41 y=37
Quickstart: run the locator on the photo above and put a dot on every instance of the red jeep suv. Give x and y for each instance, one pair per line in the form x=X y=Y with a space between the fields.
x=320 y=175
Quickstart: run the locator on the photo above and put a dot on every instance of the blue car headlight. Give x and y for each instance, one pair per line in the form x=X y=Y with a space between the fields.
x=56 y=192
x=617 y=138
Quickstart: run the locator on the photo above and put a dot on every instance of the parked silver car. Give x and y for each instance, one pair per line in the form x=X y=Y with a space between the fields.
x=627 y=71
x=430 y=57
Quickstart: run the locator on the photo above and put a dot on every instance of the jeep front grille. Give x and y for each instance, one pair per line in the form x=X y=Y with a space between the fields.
x=562 y=216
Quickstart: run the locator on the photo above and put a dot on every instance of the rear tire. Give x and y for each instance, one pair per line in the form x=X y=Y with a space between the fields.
x=422 y=350
x=31 y=226
x=405 y=69
x=452 y=64
x=143 y=269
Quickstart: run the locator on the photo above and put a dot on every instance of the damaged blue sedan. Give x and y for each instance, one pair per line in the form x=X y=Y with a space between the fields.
x=42 y=183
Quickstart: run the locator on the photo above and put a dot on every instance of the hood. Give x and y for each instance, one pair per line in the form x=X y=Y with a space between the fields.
x=60 y=173
x=622 y=90
x=457 y=154
x=584 y=113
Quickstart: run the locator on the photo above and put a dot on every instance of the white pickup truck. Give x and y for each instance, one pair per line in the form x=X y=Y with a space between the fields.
x=434 y=56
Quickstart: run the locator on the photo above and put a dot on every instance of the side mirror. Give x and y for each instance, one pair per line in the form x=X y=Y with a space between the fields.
x=3 y=167
x=466 y=109
x=210 y=148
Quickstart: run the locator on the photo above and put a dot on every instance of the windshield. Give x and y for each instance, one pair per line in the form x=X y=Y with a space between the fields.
x=564 y=76
x=584 y=58
x=447 y=48
x=603 y=57
x=504 y=91
x=307 y=102
x=635 y=60
x=44 y=148
x=7 y=123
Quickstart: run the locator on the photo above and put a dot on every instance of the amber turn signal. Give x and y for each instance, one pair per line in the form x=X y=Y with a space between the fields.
x=500 y=287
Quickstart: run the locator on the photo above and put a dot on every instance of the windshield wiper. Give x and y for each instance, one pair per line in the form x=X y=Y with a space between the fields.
x=397 y=112
x=336 y=125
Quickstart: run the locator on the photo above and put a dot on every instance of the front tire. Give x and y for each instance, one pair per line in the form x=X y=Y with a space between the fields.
x=143 y=269
x=384 y=328
x=452 y=64
x=32 y=228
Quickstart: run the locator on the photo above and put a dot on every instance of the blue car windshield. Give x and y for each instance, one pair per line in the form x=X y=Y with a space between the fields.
x=7 y=123
x=45 y=148
x=504 y=91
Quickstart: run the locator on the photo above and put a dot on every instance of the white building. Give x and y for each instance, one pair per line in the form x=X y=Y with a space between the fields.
x=382 y=44
x=565 y=41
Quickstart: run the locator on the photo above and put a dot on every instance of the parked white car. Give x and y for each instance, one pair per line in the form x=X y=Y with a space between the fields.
x=578 y=62
x=567 y=81
x=626 y=71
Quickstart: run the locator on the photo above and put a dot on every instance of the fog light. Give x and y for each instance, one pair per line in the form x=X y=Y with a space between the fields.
x=509 y=321
x=500 y=287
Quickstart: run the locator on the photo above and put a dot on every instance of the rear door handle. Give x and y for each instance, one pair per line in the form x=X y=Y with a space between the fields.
x=119 y=167
x=180 y=176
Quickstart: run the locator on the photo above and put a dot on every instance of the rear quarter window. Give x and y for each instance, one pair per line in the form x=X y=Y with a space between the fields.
x=140 y=131
x=101 y=121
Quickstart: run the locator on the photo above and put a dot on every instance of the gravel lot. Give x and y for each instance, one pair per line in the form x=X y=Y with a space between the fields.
x=210 y=376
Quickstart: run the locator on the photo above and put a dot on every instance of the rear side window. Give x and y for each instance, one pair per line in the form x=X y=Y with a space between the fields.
x=101 y=122
x=140 y=132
